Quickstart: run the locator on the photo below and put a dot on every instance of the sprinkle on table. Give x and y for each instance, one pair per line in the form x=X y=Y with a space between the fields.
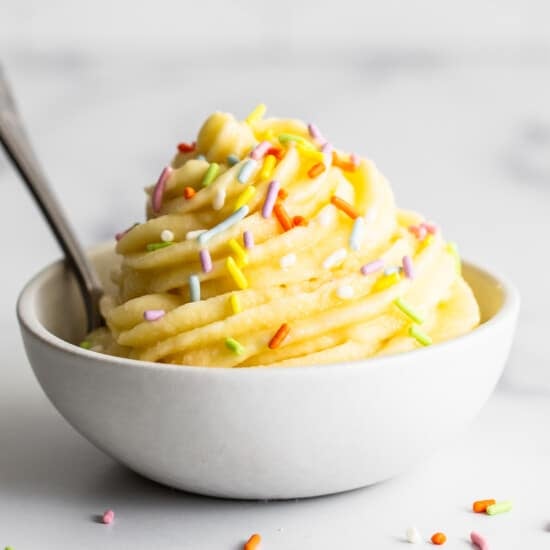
x=189 y=192
x=357 y=233
x=267 y=167
x=439 y=538
x=479 y=540
x=270 y=198
x=420 y=336
x=194 y=288
x=158 y=190
x=499 y=507
x=282 y=215
x=246 y=170
x=239 y=251
x=236 y=306
x=236 y=274
x=245 y=196
x=153 y=314
x=408 y=310
x=260 y=150
x=279 y=336
x=316 y=170
x=480 y=506
x=386 y=281
x=156 y=246
x=206 y=260
x=187 y=147
x=232 y=160
x=166 y=236
x=344 y=206
x=108 y=517
x=257 y=113
x=230 y=221
x=219 y=199
x=235 y=346
x=372 y=267
x=248 y=239
x=408 y=267
x=335 y=259
x=413 y=536
x=211 y=174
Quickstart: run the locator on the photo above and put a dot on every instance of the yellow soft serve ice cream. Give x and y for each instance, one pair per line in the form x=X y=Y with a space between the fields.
x=263 y=245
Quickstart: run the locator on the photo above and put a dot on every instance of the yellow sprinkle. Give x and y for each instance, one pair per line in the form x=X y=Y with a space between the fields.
x=256 y=114
x=236 y=273
x=235 y=303
x=267 y=167
x=268 y=135
x=427 y=241
x=245 y=196
x=386 y=281
x=452 y=249
x=309 y=150
x=240 y=253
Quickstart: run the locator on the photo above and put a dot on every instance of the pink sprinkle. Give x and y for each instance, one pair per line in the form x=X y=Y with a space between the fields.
x=119 y=236
x=260 y=150
x=153 y=314
x=270 y=199
x=419 y=231
x=431 y=228
x=248 y=239
x=108 y=517
x=479 y=540
x=408 y=267
x=206 y=260
x=354 y=159
x=160 y=186
x=372 y=267
x=315 y=133
x=327 y=148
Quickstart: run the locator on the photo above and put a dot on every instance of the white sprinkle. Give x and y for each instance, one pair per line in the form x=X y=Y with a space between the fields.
x=326 y=215
x=190 y=235
x=219 y=199
x=413 y=536
x=167 y=236
x=335 y=259
x=288 y=260
x=345 y=292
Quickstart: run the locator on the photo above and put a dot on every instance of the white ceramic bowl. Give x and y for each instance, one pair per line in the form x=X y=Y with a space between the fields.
x=264 y=432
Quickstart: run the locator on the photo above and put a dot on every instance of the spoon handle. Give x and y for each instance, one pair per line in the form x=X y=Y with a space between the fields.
x=18 y=149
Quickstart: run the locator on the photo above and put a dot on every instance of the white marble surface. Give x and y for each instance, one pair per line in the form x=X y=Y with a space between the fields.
x=453 y=108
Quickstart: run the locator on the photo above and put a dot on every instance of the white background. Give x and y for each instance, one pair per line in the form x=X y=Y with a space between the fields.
x=449 y=99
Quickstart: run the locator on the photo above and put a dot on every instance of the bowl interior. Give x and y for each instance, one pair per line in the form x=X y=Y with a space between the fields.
x=59 y=308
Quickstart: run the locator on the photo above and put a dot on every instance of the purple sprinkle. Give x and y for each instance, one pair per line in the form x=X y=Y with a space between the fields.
x=327 y=148
x=248 y=240
x=408 y=267
x=270 y=199
x=206 y=260
x=372 y=267
x=260 y=150
x=119 y=236
x=153 y=314
x=315 y=133
x=158 y=191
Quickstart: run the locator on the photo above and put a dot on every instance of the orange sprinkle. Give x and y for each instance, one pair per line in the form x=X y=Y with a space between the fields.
x=480 y=506
x=282 y=194
x=316 y=169
x=253 y=543
x=299 y=220
x=439 y=538
x=283 y=217
x=276 y=152
x=279 y=336
x=189 y=193
x=344 y=206
x=345 y=165
x=186 y=147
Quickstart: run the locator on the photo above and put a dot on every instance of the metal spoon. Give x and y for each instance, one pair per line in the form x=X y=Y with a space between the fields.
x=17 y=146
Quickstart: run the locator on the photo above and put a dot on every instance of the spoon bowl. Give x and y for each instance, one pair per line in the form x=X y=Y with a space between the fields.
x=264 y=433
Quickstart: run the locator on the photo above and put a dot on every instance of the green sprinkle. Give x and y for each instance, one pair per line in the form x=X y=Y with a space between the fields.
x=499 y=507
x=211 y=174
x=155 y=246
x=285 y=138
x=8 y=548
x=85 y=344
x=234 y=346
x=408 y=310
x=452 y=249
x=232 y=160
x=419 y=336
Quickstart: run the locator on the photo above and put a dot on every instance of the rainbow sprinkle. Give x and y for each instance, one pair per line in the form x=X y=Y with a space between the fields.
x=279 y=336
x=155 y=246
x=315 y=133
x=372 y=267
x=189 y=193
x=166 y=236
x=345 y=292
x=210 y=174
x=235 y=346
x=452 y=249
x=190 y=235
x=419 y=335
x=344 y=206
x=316 y=170
x=122 y=234
x=267 y=167
x=235 y=303
x=288 y=260
x=86 y=344
x=236 y=274
x=408 y=267
x=270 y=198
x=386 y=281
x=248 y=239
x=282 y=216
x=206 y=260
x=256 y=114
x=335 y=259
x=153 y=314
x=187 y=147
x=260 y=150
x=194 y=288
x=357 y=233
x=232 y=160
x=158 y=191
x=219 y=199
x=287 y=138
x=246 y=170
x=231 y=220
x=408 y=310
x=245 y=196
x=108 y=517
x=239 y=251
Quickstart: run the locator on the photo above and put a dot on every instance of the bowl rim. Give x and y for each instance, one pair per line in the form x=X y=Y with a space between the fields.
x=28 y=321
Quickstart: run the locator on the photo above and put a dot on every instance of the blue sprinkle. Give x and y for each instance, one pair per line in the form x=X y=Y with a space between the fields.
x=246 y=170
x=236 y=217
x=194 y=288
x=232 y=160
x=200 y=157
x=357 y=235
